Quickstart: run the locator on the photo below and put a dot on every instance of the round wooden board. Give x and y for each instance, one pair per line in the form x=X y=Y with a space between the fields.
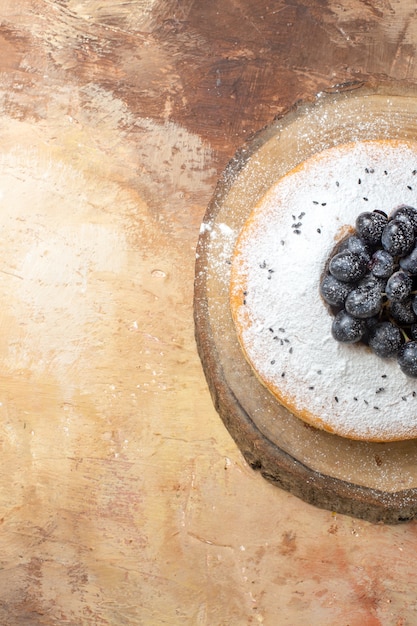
x=373 y=481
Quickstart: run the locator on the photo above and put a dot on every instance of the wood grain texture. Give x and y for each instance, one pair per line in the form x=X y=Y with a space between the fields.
x=324 y=469
x=123 y=499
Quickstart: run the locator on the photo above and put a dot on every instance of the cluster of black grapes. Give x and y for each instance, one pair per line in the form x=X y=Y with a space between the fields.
x=371 y=286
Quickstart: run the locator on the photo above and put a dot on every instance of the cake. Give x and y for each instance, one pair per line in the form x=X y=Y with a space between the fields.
x=282 y=322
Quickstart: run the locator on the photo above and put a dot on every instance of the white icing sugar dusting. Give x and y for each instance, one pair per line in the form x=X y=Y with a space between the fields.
x=283 y=324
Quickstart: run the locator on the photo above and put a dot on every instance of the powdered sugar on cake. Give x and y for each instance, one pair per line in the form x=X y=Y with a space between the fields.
x=282 y=322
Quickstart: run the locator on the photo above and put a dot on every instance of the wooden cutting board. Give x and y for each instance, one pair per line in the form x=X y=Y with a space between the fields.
x=374 y=481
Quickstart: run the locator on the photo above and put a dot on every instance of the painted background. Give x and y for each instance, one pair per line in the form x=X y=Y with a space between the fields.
x=123 y=500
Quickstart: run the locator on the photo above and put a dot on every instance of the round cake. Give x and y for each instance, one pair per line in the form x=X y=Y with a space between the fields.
x=283 y=323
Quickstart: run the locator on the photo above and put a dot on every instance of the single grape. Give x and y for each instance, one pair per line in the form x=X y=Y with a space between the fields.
x=347 y=329
x=356 y=245
x=347 y=266
x=365 y=300
x=382 y=264
x=402 y=312
x=370 y=225
x=398 y=237
x=334 y=291
x=409 y=262
x=405 y=212
x=399 y=286
x=407 y=358
x=385 y=339
x=413 y=331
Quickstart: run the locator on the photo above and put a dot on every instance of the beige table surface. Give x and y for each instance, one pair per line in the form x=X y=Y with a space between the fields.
x=123 y=499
